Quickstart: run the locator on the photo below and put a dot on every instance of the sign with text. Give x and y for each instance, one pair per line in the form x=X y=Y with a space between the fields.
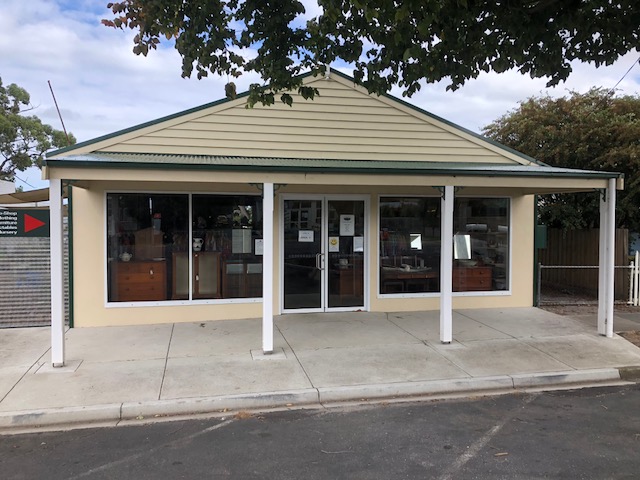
x=24 y=223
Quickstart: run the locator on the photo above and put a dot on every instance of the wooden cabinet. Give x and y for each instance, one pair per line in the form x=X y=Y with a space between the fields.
x=472 y=279
x=348 y=280
x=242 y=279
x=206 y=275
x=141 y=281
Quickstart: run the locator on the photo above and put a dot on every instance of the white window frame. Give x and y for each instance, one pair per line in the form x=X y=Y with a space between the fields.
x=168 y=303
x=488 y=293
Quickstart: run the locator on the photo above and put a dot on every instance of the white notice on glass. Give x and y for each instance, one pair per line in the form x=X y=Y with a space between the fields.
x=334 y=244
x=347 y=226
x=305 y=236
x=241 y=241
x=259 y=246
x=358 y=244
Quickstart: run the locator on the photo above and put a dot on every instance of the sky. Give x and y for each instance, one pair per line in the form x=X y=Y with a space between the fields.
x=102 y=87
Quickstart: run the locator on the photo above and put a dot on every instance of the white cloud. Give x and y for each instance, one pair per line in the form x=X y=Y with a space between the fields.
x=102 y=87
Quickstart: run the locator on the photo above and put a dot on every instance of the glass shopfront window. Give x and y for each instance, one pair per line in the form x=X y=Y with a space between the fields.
x=481 y=244
x=409 y=245
x=155 y=254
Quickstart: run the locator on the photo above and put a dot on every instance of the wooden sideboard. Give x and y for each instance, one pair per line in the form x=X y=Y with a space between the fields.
x=472 y=279
x=241 y=279
x=141 y=281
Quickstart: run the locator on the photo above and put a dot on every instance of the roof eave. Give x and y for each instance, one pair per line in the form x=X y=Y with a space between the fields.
x=451 y=172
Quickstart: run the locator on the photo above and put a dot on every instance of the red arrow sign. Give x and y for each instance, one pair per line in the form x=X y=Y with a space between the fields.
x=31 y=223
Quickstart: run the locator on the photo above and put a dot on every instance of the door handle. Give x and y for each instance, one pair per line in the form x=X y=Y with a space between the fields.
x=320 y=261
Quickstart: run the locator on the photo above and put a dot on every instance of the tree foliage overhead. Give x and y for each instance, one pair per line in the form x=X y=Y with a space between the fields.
x=23 y=138
x=389 y=42
x=594 y=131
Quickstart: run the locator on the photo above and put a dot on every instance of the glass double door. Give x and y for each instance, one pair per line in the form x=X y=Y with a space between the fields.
x=324 y=253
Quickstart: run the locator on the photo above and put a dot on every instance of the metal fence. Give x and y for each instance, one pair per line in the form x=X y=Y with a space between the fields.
x=25 y=280
x=550 y=292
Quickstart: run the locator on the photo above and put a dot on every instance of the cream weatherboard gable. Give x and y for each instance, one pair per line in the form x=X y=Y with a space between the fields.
x=342 y=123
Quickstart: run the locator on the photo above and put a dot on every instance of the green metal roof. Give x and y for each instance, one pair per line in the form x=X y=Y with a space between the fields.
x=298 y=165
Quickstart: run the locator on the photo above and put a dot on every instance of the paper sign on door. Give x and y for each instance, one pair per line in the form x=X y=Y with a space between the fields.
x=334 y=244
x=305 y=236
x=347 y=226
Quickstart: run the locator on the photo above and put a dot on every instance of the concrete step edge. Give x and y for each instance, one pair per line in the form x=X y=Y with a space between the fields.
x=112 y=414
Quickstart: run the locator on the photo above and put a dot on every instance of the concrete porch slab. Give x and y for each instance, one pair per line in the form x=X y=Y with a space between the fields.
x=483 y=358
x=226 y=337
x=333 y=367
x=210 y=376
x=110 y=344
x=9 y=378
x=315 y=331
x=525 y=322
x=588 y=351
x=23 y=346
x=426 y=326
x=94 y=383
x=172 y=369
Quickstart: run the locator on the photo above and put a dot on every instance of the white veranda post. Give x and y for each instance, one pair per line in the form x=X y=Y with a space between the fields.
x=607 y=260
x=446 y=264
x=267 y=268
x=57 y=291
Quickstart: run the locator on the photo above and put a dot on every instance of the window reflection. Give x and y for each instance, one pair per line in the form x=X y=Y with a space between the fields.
x=484 y=224
x=409 y=245
x=154 y=253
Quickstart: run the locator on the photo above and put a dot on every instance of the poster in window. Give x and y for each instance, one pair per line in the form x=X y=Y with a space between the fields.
x=259 y=246
x=347 y=225
x=241 y=240
x=305 y=236
x=334 y=244
x=358 y=244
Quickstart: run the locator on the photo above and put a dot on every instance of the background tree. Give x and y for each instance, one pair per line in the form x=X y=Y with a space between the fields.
x=592 y=131
x=388 y=42
x=23 y=138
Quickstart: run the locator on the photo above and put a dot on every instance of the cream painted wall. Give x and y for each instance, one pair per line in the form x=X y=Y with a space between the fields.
x=90 y=307
x=89 y=268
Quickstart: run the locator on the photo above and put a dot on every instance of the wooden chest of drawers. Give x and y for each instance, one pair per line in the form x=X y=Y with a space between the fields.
x=141 y=281
x=472 y=279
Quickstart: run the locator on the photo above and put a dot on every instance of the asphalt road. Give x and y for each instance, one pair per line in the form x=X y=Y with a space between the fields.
x=582 y=434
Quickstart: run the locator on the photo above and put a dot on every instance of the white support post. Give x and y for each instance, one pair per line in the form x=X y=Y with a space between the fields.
x=611 y=255
x=602 y=256
x=446 y=264
x=57 y=276
x=606 y=271
x=267 y=269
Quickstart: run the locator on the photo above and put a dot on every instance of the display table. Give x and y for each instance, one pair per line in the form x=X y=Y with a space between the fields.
x=402 y=280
